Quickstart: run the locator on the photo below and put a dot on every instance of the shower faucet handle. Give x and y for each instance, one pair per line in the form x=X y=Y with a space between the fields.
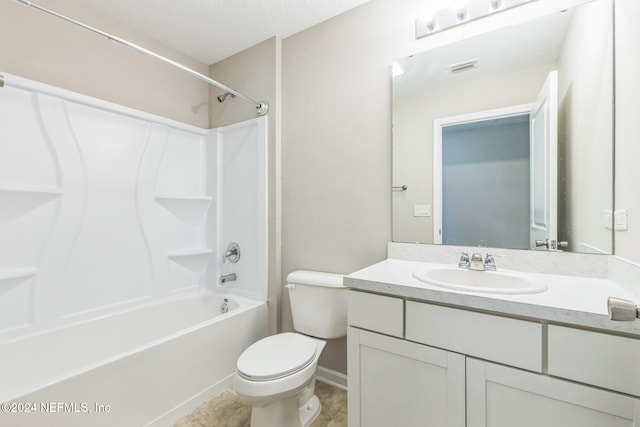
x=232 y=253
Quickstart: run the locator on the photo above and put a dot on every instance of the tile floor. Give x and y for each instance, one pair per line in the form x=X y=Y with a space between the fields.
x=226 y=411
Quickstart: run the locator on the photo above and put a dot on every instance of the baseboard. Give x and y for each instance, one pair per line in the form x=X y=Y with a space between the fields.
x=185 y=408
x=331 y=377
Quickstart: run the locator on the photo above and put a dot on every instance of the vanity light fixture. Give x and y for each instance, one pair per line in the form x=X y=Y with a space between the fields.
x=460 y=12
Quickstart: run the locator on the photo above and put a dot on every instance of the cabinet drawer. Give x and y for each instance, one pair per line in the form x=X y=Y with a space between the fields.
x=499 y=339
x=376 y=312
x=603 y=360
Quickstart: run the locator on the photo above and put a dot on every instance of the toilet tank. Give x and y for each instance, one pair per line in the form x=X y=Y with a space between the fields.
x=318 y=303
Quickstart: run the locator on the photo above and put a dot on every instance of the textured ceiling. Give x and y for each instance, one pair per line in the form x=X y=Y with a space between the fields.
x=211 y=30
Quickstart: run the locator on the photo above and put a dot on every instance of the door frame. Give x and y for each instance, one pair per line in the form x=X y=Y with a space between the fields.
x=438 y=125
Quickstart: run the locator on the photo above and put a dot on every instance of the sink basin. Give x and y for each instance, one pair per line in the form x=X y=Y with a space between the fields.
x=490 y=282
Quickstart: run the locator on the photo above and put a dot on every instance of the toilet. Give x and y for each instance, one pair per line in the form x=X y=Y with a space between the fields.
x=276 y=376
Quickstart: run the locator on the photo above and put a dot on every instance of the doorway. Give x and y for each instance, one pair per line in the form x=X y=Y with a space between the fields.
x=485 y=182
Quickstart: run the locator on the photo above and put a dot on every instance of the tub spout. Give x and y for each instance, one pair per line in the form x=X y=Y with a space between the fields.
x=227 y=278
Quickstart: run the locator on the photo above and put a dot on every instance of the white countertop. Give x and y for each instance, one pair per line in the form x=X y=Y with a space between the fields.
x=569 y=300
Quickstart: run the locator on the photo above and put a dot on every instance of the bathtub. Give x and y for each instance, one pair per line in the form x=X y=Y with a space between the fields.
x=142 y=367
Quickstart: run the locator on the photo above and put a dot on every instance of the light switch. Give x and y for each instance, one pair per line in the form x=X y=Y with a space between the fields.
x=421 y=210
x=620 y=220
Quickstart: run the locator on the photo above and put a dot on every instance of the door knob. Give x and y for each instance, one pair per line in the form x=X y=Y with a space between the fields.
x=540 y=243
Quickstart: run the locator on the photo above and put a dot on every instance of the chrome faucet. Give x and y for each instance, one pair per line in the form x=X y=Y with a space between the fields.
x=476 y=263
x=464 y=260
x=227 y=278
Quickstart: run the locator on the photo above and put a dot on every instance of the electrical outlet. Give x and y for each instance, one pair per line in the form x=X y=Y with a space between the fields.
x=620 y=220
x=608 y=219
x=421 y=210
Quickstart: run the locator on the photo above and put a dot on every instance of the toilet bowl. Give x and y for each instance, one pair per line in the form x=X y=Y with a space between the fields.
x=276 y=375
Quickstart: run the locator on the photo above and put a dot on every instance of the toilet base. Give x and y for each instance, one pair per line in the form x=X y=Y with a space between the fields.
x=295 y=411
x=309 y=412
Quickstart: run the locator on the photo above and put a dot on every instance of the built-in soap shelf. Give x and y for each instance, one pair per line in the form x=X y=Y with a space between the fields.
x=193 y=259
x=18 y=200
x=190 y=209
x=12 y=277
x=31 y=189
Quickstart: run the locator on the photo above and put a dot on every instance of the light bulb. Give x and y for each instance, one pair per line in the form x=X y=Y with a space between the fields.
x=462 y=13
x=495 y=5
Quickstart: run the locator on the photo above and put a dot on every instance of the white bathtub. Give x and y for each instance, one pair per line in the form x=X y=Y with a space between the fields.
x=147 y=366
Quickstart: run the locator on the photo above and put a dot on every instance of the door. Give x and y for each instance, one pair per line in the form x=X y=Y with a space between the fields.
x=473 y=203
x=543 y=128
x=498 y=396
x=397 y=383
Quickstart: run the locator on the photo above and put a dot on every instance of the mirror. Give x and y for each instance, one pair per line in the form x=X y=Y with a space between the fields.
x=472 y=165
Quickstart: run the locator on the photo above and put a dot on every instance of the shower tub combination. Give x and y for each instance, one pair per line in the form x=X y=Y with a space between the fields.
x=141 y=367
x=111 y=227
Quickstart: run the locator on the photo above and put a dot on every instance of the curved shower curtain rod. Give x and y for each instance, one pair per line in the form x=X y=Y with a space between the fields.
x=262 y=108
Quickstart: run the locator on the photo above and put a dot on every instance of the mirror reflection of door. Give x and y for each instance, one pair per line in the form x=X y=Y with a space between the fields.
x=544 y=165
x=497 y=177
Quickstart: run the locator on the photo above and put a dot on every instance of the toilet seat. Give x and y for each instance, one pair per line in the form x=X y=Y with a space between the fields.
x=276 y=356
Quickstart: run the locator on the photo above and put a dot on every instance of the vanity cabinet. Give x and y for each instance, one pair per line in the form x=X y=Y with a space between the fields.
x=442 y=366
x=499 y=396
x=393 y=382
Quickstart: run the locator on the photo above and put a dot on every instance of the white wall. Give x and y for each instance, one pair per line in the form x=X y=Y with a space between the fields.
x=242 y=206
x=628 y=126
x=103 y=206
x=256 y=72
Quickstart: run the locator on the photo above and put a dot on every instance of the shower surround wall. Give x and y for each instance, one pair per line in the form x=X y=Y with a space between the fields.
x=105 y=207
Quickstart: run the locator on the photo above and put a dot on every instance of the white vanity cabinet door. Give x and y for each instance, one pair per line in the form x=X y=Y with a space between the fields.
x=397 y=383
x=498 y=396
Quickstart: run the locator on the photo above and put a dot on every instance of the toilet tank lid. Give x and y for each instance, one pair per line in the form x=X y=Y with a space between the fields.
x=315 y=278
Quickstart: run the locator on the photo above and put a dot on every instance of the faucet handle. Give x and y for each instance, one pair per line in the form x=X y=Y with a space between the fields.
x=232 y=253
x=490 y=262
x=464 y=260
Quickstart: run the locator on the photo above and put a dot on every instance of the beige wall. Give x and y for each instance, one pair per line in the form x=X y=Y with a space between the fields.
x=46 y=49
x=627 y=243
x=256 y=72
